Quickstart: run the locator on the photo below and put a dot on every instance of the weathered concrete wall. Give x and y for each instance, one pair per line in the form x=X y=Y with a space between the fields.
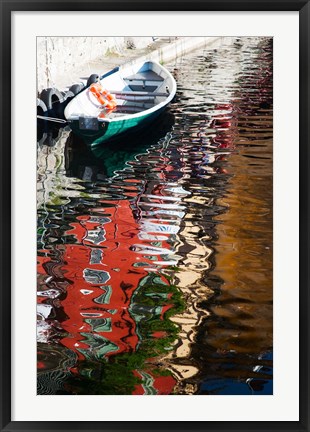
x=179 y=48
x=59 y=57
x=62 y=61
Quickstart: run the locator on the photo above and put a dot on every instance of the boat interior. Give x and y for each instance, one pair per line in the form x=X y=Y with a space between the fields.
x=143 y=90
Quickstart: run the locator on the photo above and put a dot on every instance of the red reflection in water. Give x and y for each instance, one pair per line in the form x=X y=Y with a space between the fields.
x=102 y=270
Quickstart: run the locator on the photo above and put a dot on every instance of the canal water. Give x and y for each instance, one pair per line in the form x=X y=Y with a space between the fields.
x=155 y=253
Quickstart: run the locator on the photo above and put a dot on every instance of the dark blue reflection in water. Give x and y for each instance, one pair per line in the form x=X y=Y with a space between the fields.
x=155 y=253
x=260 y=381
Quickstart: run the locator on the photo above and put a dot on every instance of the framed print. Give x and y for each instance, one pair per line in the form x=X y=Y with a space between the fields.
x=154 y=203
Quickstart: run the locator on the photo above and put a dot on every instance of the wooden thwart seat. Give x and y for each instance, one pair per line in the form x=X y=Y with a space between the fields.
x=145 y=76
x=138 y=93
x=129 y=109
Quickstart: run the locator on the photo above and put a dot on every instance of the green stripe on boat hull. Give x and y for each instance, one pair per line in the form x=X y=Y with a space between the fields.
x=114 y=130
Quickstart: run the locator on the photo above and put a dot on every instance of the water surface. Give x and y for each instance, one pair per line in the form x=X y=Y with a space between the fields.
x=155 y=253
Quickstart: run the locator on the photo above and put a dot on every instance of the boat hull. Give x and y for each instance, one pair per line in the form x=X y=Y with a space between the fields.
x=110 y=131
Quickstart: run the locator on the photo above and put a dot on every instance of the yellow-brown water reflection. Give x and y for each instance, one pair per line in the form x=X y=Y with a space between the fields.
x=228 y=350
x=244 y=259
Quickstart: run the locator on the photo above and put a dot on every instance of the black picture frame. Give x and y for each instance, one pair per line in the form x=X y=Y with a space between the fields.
x=7 y=7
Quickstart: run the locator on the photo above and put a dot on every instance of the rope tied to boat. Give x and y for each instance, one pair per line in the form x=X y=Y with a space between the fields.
x=52 y=119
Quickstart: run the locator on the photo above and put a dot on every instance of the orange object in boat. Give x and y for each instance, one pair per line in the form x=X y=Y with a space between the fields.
x=105 y=98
